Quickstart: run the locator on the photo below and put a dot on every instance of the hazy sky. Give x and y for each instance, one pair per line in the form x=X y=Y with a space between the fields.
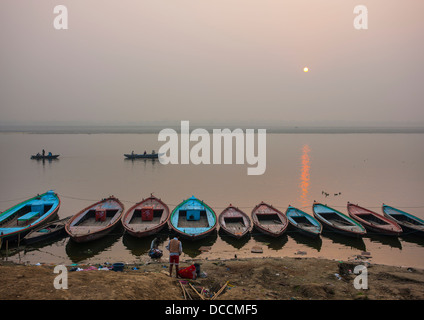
x=211 y=60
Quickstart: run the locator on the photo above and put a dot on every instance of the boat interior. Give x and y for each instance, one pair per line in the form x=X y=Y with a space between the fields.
x=336 y=219
x=192 y=219
x=372 y=218
x=302 y=221
x=50 y=228
x=404 y=218
x=235 y=223
x=136 y=218
x=90 y=218
x=25 y=215
x=269 y=219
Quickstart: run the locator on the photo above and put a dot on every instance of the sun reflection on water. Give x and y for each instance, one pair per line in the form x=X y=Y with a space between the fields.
x=304 y=176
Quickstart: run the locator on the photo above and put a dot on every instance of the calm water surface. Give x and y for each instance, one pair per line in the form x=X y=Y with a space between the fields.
x=367 y=169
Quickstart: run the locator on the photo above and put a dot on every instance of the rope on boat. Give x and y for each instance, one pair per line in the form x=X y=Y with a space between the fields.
x=241 y=207
x=20 y=199
x=215 y=207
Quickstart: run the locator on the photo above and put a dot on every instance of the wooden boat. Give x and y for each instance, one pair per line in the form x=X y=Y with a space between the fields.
x=373 y=221
x=146 y=217
x=20 y=219
x=48 y=231
x=269 y=220
x=303 y=222
x=95 y=221
x=336 y=221
x=234 y=222
x=408 y=222
x=193 y=219
x=45 y=157
x=141 y=156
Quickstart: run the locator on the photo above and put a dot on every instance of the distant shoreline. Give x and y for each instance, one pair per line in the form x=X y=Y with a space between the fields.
x=102 y=129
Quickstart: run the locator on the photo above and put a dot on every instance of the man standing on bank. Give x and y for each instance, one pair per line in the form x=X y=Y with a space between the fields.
x=175 y=250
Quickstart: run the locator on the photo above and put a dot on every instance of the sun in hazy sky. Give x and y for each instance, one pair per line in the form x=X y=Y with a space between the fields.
x=306 y=69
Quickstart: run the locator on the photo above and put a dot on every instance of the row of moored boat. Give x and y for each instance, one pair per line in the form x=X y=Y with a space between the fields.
x=35 y=219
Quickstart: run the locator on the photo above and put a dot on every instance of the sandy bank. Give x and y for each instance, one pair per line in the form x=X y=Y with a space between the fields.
x=248 y=279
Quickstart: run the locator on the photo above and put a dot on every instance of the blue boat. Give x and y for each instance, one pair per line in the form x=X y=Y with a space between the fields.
x=409 y=223
x=20 y=219
x=193 y=219
x=336 y=221
x=303 y=222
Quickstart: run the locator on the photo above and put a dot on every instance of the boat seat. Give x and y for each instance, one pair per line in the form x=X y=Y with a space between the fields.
x=28 y=216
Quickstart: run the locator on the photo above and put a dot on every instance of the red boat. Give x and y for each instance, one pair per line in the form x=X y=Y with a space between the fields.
x=146 y=218
x=269 y=220
x=373 y=221
x=95 y=221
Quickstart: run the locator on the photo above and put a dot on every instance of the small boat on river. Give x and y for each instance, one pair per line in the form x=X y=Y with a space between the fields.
x=234 y=222
x=336 y=221
x=95 y=221
x=269 y=220
x=20 y=219
x=303 y=222
x=373 y=221
x=409 y=223
x=49 y=231
x=144 y=155
x=45 y=157
x=193 y=219
x=146 y=217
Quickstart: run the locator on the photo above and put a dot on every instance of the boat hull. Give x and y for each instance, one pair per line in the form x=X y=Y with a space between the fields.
x=146 y=233
x=141 y=156
x=53 y=157
x=92 y=236
x=34 y=236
